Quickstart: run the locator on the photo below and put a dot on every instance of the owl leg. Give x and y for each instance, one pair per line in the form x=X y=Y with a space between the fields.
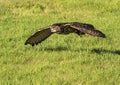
x=79 y=33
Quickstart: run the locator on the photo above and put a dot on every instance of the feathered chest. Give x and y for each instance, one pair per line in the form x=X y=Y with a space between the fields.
x=66 y=30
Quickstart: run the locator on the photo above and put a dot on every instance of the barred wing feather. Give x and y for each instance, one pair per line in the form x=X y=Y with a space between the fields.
x=39 y=36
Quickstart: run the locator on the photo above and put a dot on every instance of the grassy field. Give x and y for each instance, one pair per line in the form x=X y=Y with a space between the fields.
x=60 y=60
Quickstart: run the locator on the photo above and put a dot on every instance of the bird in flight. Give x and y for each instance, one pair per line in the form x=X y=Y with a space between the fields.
x=63 y=28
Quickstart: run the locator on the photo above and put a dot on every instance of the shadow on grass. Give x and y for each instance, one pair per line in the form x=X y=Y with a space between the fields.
x=59 y=48
x=62 y=48
x=99 y=51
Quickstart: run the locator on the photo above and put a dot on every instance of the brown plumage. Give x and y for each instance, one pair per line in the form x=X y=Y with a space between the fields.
x=63 y=28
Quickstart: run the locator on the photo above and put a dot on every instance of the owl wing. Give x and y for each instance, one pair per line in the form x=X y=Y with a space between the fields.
x=39 y=36
x=88 y=29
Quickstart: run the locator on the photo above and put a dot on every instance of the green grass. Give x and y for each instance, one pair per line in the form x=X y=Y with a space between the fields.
x=59 y=60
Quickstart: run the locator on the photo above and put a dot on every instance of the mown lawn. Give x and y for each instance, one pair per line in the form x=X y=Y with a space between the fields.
x=61 y=59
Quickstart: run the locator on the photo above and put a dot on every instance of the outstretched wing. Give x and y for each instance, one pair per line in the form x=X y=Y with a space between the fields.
x=39 y=36
x=88 y=29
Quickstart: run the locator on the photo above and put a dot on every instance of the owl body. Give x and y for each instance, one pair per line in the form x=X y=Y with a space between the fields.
x=63 y=28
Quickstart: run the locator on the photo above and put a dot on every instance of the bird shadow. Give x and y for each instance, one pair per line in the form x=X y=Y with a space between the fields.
x=62 y=48
x=99 y=51
x=94 y=50
x=59 y=48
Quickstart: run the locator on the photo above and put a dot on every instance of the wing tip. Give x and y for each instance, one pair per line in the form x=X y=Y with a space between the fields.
x=102 y=35
x=26 y=43
x=99 y=33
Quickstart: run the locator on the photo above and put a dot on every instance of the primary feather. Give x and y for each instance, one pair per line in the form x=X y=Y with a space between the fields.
x=88 y=29
x=63 y=28
x=39 y=36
